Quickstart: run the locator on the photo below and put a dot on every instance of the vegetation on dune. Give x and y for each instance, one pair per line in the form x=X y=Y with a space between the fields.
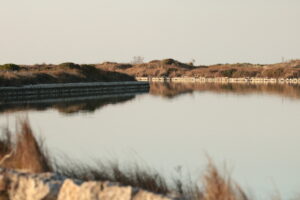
x=11 y=74
x=69 y=65
x=173 y=68
x=166 y=67
x=9 y=67
x=63 y=73
x=25 y=153
x=173 y=62
x=228 y=72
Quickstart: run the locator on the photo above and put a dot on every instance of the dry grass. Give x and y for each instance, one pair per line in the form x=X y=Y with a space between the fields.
x=221 y=187
x=215 y=186
x=24 y=153
x=134 y=175
x=173 y=68
x=59 y=74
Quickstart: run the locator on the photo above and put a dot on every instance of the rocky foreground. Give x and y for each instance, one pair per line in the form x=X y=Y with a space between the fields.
x=16 y=185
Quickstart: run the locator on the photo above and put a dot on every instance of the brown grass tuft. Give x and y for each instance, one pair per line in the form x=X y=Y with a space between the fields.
x=147 y=179
x=218 y=187
x=25 y=153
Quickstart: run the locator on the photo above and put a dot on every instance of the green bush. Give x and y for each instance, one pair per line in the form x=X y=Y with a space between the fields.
x=10 y=67
x=69 y=65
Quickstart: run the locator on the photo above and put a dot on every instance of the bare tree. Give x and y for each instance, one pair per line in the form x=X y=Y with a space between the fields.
x=137 y=60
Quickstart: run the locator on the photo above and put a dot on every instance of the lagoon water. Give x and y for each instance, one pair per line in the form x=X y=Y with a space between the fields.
x=253 y=129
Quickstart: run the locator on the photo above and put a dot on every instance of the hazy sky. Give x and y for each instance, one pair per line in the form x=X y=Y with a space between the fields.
x=93 y=31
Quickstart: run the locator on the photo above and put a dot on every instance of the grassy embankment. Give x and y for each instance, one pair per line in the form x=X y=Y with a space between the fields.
x=27 y=154
x=11 y=74
x=173 y=68
x=15 y=75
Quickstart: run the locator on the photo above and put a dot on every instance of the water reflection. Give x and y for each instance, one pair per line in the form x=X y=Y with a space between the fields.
x=68 y=105
x=172 y=90
x=167 y=90
x=257 y=134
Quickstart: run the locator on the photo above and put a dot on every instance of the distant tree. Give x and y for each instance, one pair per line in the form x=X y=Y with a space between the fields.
x=137 y=60
x=192 y=62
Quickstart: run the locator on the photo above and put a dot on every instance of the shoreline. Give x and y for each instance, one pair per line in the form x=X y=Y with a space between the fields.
x=221 y=80
x=158 y=70
x=67 y=90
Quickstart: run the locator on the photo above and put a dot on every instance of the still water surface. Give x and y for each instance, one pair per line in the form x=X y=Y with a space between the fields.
x=254 y=129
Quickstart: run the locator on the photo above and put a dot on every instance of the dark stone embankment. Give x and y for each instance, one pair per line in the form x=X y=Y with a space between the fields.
x=68 y=90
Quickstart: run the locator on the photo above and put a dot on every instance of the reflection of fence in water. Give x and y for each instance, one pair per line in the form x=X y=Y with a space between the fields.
x=173 y=89
x=221 y=79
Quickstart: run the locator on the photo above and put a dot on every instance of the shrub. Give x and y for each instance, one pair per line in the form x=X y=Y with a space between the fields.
x=88 y=68
x=169 y=61
x=154 y=61
x=295 y=74
x=228 y=72
x=123 y=66
x=213 y=70
x=245 y=73
x=10 y=67
x=274 y=72
x=69 y=65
